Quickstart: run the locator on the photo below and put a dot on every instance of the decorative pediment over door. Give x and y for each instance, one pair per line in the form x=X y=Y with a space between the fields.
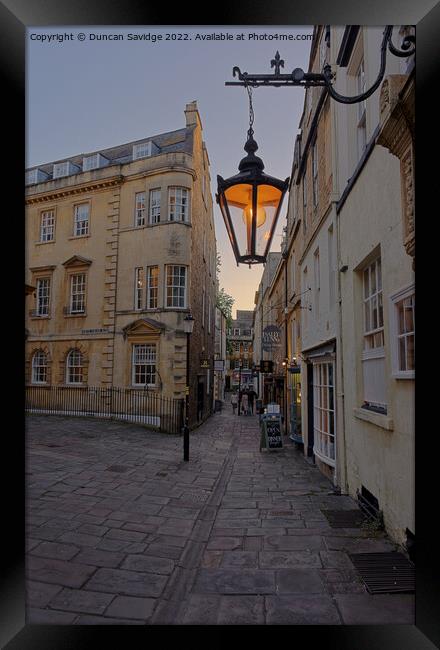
x=147 y=327
x=77 y=260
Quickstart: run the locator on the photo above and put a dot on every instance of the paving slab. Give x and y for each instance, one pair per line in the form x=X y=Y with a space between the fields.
x=121 y=531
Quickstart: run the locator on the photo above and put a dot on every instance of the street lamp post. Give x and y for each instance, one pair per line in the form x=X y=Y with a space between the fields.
x=188 y=326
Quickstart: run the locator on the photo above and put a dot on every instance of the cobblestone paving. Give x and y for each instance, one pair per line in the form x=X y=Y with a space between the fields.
x=120 y=530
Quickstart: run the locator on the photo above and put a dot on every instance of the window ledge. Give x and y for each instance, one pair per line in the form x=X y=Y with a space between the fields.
x=49 y=241
x=409 y=374
x=79 y=236
x=380 y=420
x=74 y=315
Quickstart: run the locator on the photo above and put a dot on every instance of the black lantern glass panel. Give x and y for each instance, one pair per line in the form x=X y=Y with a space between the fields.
x=250 y=203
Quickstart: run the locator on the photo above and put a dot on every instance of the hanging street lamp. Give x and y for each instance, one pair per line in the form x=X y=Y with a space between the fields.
x=250 y=203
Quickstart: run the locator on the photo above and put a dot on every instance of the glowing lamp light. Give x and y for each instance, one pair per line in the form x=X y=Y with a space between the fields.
x=249 y=200
x=261 y=215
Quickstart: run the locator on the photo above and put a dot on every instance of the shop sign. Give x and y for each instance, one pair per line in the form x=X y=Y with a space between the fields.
x=271 y=338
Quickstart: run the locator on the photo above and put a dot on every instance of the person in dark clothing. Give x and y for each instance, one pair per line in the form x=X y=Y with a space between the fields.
x=251 y=397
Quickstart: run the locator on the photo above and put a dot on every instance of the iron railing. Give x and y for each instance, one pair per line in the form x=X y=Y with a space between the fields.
x=129 y=404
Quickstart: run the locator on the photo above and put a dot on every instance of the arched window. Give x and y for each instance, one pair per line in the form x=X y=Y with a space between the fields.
x=74 y=367
x=39 y=367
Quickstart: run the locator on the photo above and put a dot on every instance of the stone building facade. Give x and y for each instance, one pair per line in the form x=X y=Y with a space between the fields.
x=349 y=292
x=120 y=245
x=240 y=344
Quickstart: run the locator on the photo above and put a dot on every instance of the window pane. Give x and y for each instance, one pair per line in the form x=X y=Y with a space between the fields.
x=366 y=283
x=410 y=352
x=402 y=354
x=380 y=310
x=373 y=277
x=374 y=313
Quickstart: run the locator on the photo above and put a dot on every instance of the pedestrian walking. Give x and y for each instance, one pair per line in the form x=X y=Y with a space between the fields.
x=234 y=402
x=251 y=396
x=245 y=403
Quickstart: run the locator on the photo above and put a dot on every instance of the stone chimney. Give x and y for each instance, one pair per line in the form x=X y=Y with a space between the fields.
x=192 y=114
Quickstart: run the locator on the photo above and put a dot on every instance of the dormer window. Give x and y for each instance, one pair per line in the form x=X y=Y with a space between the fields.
x=94 y=162
x=64 y=169
x=35 y=176
x=142 y=150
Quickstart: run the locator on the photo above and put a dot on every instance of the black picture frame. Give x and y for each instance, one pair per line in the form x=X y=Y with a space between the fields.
x=15 y=17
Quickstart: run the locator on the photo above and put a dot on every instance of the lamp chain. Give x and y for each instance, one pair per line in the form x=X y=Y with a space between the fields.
x=251 y=110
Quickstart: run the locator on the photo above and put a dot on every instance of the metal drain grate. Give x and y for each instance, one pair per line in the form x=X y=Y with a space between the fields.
x=385 y=573
x=344 y=518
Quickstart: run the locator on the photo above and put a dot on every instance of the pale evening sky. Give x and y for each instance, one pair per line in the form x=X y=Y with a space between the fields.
x=89 y=95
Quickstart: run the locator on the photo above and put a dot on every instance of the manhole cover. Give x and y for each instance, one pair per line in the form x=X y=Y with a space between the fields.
x=117 y=468
x=384 y=573
x=344 y=518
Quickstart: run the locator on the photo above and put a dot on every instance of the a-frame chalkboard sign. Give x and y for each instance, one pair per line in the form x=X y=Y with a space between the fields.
x=271 y=433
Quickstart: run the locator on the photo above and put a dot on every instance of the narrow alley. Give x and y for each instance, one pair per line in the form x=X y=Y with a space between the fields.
x=121 y=531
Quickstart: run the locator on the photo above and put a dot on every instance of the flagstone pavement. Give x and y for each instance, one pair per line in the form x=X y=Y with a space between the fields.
x=120 y=530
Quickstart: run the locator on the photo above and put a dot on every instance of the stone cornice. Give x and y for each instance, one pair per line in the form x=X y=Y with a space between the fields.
x=104 y=183
x=55 y=194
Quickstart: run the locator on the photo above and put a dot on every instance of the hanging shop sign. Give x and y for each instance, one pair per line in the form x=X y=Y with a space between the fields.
x=219 y=365
x=204 y=363
x=271 y=338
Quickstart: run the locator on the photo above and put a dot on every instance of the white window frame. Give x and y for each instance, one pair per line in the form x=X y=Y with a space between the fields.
x=139 y=287
x=39 y=362
x=236 y=331
x=155 y=201
x=139 y=209
x=178 y=204
x=324 y=446
x=149 y=360
x=142 y=150
x=78 y=358
x=152 y=288
x=81 y=225
x=373 y=354
x=47 y=226
x=171 y=297
x=61 y=169
x=78 y=286
x=395 y=335
x=370 y=299
x=42 y=295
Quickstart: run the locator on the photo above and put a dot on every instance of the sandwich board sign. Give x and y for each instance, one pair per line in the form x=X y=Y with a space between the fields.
x=271 y=434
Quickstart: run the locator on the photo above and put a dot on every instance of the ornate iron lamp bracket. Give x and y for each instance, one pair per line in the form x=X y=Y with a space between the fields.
x=306 y=79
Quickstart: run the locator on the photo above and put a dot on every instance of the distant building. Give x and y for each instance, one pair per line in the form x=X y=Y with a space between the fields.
x=240 y=343
x=220 y=355
x=120 y=247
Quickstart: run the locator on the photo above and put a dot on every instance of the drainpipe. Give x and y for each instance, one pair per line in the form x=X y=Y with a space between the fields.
x=339 y=347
